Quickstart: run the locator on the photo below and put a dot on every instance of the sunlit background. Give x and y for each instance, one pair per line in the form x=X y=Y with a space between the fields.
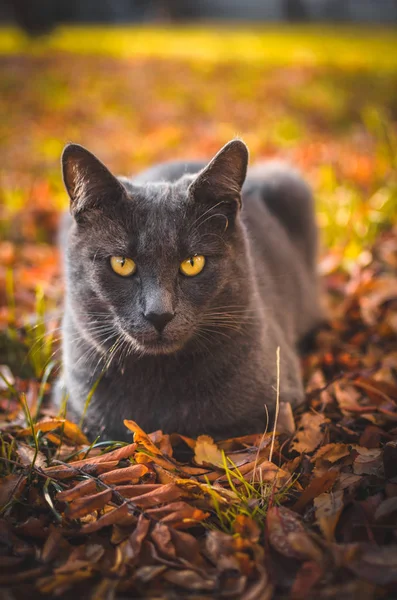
x=310 y=81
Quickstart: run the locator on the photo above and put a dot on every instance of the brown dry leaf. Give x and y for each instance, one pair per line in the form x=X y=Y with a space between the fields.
x=131 y=547
x=309 y=574
x=164 y=475
x=310 y=433
x=187 y=519
x=178 y=514
x=161 y=536
x=218 y=544
x=114 y=455
x=133 y=490
x=387 y=508
x=160 y=495
x=11 y=486
x=196 y=489
x=328 y=508
x=130 y=474
x=348 y=400
x=332 y=452
x=368 y=461
x=280 y=522
x=100 y=463
x=304 y=545
x=147 y=573
x=105 y=590
x=84 y=556
x=267 y=472
x=317 y=486
x=262 y=589
x=207 y=453
x=144 y=459
x=190 y=580
x=329 y=455
x=382 y=289
x=88 y=486
x=27 y=454
x=116 y=515
x=60 y=583
x=52 y=545
x=347 y=481
x=377 y=564
x=187 y=547
x=63 y=472
x=88 y=504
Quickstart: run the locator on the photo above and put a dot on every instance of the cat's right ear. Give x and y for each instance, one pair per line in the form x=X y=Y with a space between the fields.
x=88 y=182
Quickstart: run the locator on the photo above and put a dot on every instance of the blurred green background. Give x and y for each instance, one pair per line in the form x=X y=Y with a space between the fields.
x=320 y=96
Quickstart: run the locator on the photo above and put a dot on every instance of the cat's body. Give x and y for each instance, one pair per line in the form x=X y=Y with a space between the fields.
x=212 y=368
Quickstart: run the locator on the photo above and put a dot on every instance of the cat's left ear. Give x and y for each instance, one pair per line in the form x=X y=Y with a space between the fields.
x=88 y=182
x=222 y=179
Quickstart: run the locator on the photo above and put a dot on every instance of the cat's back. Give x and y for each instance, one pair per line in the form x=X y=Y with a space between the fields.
x=279 y=215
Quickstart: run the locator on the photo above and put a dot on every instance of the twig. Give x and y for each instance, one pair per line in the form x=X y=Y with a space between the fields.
x=277 y=404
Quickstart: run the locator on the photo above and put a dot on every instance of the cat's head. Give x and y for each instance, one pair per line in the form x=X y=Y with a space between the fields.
x=156 y=266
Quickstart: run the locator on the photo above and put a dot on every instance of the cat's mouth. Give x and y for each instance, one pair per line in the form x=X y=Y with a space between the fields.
x=160 y=344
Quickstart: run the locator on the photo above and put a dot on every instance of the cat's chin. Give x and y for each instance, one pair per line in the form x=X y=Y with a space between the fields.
x=160 y=346
x=155 y=346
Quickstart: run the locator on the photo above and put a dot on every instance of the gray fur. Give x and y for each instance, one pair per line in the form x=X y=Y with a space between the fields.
x=203 y=374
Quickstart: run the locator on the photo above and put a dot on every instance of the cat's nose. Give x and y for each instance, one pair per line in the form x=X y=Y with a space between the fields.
x=159 y=319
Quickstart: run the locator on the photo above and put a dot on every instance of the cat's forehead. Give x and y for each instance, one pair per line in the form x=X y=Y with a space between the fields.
x=154 y=220
x=162 y=214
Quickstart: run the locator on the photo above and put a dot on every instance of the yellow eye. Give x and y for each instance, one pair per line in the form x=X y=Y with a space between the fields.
x=122 y=266
x=192 y=266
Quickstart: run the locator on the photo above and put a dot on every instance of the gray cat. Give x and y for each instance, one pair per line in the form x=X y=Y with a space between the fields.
x=181 y=284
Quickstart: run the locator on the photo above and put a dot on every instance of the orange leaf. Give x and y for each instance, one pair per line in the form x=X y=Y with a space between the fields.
x=110 y=518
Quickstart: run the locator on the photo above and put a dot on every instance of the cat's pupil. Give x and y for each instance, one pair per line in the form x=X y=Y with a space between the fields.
x=192 y=262
x=122 y=261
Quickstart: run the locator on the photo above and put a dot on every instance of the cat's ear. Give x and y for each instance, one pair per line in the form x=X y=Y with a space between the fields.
x=88 y=182
x=222 y=179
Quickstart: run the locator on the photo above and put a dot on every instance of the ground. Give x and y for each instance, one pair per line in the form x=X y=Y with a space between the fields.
x=308 y=508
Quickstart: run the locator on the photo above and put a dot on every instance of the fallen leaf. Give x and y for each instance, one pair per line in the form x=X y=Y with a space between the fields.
x=161 y=494
x=87 y=504
x=190 y=580
x=387 y=508
x=327 y=508
x=207 y=453
x=69 y=430
x=309 y=574
x=317 y=486
x=310 y=433
x=280 y=522
x=368 y=461
x=110 y=518
x=11 y=487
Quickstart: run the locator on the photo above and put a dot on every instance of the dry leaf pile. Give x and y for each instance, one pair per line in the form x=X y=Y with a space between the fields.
x=309 y=512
